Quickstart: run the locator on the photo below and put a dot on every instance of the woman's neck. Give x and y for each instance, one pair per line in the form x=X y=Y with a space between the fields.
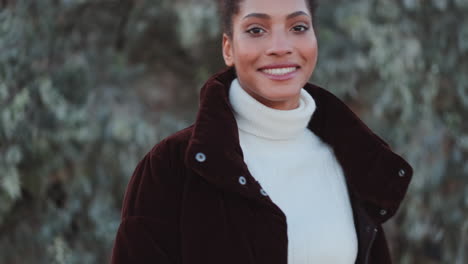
x=257 y=118
x=289 y=104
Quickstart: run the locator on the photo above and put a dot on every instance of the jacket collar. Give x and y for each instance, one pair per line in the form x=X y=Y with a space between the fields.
x=375 y=175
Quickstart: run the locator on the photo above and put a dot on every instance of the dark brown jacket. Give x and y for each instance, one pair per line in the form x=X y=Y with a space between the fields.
x=184 y=203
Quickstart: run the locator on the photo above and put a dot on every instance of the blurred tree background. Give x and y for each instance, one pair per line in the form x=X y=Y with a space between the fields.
x=87 y=87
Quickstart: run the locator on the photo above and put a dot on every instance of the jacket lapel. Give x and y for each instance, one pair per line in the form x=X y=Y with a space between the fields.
x=376 y=175
x=215 y=134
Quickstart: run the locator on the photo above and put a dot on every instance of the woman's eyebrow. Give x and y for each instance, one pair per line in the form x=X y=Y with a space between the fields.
x=295 y=14
x=257 y=15
x=266 y=16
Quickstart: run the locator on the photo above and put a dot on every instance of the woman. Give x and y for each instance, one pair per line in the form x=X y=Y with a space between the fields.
x=274 y=169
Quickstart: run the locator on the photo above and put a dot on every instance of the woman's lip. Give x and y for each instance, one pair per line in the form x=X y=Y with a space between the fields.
x=279 y=66
x=282 y=77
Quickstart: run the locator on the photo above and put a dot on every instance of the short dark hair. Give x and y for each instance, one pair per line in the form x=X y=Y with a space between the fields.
x=229 y=8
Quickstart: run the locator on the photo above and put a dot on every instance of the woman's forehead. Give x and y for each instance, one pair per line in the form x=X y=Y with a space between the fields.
x=272 y=7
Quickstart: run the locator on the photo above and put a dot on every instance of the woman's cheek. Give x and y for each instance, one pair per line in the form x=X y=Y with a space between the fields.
x=248 y=55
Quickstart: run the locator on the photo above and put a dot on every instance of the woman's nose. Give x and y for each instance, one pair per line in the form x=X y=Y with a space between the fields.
x=279 y=45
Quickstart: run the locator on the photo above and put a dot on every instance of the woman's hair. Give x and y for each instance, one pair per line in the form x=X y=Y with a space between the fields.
x=229 y=8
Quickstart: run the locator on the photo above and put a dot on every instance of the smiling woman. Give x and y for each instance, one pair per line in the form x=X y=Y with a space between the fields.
x=274 y=49
x=274 y=169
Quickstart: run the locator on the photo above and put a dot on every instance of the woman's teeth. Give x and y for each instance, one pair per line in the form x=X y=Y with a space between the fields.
x=279 y=71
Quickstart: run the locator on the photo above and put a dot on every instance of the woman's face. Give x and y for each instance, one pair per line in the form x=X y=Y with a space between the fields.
x=274 y=50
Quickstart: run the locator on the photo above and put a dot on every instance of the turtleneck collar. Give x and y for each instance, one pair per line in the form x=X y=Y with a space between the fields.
x=260 y=120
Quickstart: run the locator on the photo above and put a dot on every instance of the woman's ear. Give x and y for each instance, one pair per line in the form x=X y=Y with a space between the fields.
x=227 y=51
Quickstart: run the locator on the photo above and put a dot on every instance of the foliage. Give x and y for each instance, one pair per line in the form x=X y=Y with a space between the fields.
x=70 y=131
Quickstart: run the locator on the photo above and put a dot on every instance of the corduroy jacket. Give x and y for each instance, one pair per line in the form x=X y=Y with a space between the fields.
x=184 y=203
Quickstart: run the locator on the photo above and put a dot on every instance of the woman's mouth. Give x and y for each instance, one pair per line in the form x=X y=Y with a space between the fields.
x=280 y=73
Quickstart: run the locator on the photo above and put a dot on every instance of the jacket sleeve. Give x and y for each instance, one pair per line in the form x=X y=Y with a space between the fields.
x=149 y=232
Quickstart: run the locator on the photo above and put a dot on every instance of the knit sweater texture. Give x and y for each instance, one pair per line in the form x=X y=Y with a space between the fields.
x=300 y=174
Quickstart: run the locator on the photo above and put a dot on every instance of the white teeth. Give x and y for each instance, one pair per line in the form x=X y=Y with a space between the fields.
x=279 y=71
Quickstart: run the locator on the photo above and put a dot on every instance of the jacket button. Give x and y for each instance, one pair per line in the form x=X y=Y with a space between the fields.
x=263 y=192
x=369 y=229
x=383 y=212
x=200 y=157
x=242 y=180
x=401 y=173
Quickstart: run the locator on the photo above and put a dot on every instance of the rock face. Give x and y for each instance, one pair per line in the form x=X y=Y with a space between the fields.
x=87 y=87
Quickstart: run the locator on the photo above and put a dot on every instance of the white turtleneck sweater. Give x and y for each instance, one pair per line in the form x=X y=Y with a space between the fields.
x=301 y=175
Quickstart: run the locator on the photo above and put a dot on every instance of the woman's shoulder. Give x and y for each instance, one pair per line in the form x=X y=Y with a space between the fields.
x=158 y=176
x=173 y=144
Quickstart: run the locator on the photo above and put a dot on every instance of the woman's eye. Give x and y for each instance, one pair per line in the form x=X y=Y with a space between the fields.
x=255 y=31
x=300 y=28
